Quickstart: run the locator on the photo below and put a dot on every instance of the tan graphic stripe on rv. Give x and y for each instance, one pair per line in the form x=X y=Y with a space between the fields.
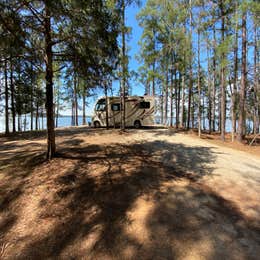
x=148 y=113
x=133 y=112
x=110 y=116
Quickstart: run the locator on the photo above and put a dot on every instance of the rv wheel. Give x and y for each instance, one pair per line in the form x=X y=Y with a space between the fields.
x=137 y=124
x=96 y=124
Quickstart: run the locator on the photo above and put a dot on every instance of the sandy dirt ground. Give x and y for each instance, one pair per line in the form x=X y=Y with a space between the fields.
x=143 y=194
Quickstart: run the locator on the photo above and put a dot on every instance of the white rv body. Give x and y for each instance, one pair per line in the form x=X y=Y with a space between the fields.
x=139 y=111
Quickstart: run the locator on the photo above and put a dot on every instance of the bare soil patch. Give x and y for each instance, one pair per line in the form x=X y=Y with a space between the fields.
x=148 y=194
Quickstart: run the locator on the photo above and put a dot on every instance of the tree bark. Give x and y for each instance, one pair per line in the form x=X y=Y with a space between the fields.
x=31 y=100
x=51 y=146
x=234 y=90
x=124 y=69
x=176 y=97
x=84 y=106
x=178 y=101
x=199 y=88
x=183 y=101
x=161 y=107
x=107 y=124
x=171 y=96
x=223 y=87
x=241 y=120
x=214 y=83
x=6 y=100
x=166 y=95
x=191 y=73
x=256 y=83
x=37 y=115
x=209 y=114
x=12 y=96
x=75 y=100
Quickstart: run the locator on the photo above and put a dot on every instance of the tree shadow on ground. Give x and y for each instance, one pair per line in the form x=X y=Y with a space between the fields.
x=94 y=206
x=17 y=162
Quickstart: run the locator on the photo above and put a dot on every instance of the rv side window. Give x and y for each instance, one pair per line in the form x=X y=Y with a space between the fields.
x=101 y=105
x=144 y=104
x=115 y=107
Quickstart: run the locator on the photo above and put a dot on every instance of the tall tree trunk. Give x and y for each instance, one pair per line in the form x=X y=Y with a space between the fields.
x=153 y=82
x=176 y=97
x=214 y=82
x=166 y=95
x=234 y=89
x=25 y=123
x=12 y=96
x=223 y=87
x=57 y=116
x=193 y=112
x=209 y=114
x=84 y=106
x=19 y=123
x=219 y=109
x=124 y=69
x=51 y=147
x=241 y=120
x=73 y=112
x=6 y=100
x=161 y=107
x=107 y=123
x=183 y=101
x=37 y=115
x=31 y=98
x=57 y=106
x=178 y=102
x=42 y=120
x=147 y=88
x=199 y=88
x=256 y=83
x=76 y=100
x=191 y=73
x=153 y=65
x=171 y=95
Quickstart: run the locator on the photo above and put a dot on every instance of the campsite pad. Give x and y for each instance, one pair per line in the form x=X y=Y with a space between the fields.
x=147 y=194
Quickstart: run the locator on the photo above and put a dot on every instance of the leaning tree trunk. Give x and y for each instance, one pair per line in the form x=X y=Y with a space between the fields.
x=241 y=120
x=51 y=147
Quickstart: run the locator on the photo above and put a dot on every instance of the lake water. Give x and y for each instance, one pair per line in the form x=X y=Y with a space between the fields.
x=26 y=122
x=66 y=121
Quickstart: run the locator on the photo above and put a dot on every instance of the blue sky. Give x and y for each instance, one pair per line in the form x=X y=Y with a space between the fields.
x=132 y=44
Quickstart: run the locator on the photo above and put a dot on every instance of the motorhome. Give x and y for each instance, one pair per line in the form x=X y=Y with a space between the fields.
x=139 y=111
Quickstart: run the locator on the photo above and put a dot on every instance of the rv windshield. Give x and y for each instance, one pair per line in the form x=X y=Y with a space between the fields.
x=101 y=105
